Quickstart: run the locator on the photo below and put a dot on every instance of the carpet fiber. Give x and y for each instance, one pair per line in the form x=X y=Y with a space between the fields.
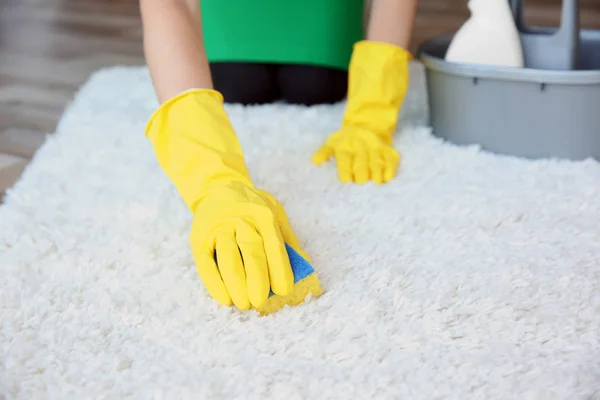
x=471 y=275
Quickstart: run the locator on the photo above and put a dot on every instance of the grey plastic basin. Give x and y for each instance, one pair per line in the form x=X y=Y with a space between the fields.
x=525 y=112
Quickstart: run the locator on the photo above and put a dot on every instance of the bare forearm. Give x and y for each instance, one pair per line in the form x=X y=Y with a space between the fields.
x=392 y=21
x=174 y=46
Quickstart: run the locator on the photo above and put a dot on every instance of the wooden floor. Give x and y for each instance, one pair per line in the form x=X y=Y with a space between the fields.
x=49 y=47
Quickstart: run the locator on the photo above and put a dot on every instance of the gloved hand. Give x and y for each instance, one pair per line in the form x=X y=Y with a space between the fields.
x=361 y=156
x=238 y=231
x=377 y=83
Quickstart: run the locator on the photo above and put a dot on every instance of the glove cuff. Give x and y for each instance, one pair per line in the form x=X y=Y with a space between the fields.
x=216 y=96
x=195 y=143
x=377 y=84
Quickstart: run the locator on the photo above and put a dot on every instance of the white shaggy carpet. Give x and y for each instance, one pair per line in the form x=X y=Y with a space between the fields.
x=470 y=276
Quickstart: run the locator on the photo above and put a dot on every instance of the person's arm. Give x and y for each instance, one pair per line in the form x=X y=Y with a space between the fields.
x=391 y=21
x=377 y=83
x=174 y=46
x=236 y=224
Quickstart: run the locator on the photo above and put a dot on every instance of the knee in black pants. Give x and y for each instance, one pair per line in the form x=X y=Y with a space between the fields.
x=245 y=83
x=309 y=85
x=258 y=83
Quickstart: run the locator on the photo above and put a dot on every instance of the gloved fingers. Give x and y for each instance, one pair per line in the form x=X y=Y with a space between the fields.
x=322 y=154
x=360 y=167
x=206 y=266
x=280 y=270
x=229 y=262
x=252 y=249
x=344 y=165
x=376 y=166
x=392 y=159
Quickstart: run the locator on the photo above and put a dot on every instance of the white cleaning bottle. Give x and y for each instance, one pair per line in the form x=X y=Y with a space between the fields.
x=489 y=36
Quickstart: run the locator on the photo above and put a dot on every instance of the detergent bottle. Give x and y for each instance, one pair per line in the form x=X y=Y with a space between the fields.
x=490 y=36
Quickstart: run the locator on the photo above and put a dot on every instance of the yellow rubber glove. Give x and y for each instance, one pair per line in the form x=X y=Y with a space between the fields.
x=241 y=226
x=377 y=83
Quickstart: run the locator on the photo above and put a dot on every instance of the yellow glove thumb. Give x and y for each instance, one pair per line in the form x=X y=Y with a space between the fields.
x=323 y=154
